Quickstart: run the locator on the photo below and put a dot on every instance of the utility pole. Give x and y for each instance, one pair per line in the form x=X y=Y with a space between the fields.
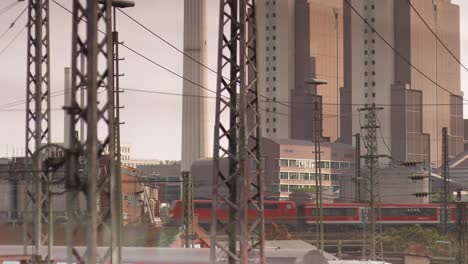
x=372 y=248
x=187 y=205
x=241 y=187
x=318 y=175
x=445 y=182
x=357 y=170
x=117 y=121
x=38 y=201
x=99 y=186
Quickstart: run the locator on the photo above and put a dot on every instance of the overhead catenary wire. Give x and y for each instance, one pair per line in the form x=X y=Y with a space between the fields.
x=12 y=24
x=406 y=60
x=214 y=92
x=12 y=41
x=9 y=7
x=436 y=35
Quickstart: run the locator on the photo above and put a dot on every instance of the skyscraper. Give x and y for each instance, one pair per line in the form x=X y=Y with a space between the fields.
x=194 y=105
x=299 y=39
x=275 y=19
x=415 y=108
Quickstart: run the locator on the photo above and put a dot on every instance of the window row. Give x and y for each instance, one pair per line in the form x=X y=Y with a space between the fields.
x=292 y=188
x=306 y=176
x=303 y=163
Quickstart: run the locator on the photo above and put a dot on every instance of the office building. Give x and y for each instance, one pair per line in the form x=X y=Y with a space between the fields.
x=289 y=166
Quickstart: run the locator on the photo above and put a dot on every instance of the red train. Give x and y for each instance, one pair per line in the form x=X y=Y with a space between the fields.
x=275 y=211
x=287 y=212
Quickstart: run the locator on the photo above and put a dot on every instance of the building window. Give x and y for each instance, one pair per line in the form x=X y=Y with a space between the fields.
x=325 y=164
x=284 y=176
x=274 y=130
x=284 y=188
x=294 y=176
x=284 y=163
x=305 y=176
x=293 y=163
x=335 y=165
x=325 y=177
x=345 y=165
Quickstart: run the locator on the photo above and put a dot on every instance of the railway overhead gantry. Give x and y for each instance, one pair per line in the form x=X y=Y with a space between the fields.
x=237 y=137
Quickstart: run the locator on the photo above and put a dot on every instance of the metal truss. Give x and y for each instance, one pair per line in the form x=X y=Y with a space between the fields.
x=445 y=181
x=238 y=139
x=38 y=205
x=372 y=242
x=187 y=209
x=95 y=177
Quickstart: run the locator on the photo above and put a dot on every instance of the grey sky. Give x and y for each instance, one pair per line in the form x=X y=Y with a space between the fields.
x=153 y=122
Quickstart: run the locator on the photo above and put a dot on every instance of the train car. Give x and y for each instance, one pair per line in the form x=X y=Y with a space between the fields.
x=396 y=214
x=274 y=211
x=333 y=213
x=391 y=214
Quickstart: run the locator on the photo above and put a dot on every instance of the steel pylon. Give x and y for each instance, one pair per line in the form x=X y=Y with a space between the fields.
x=237 y=138
x=372 y=238
x=38 y=207
x=89 y=174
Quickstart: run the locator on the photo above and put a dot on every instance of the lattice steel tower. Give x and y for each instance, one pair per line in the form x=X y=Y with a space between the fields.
x=372 y=243
x=38 y=203
x=237 y=138
x=92 y=178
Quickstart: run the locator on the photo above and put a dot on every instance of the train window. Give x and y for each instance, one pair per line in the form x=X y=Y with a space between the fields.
x=336 y=212
x=408 y=211
x=202 y=206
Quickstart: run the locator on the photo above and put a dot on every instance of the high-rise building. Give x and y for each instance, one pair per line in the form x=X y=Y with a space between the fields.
x=194 y=105
x=298 y=40
x=326 y=56
x=275 y=29
x=414 y=108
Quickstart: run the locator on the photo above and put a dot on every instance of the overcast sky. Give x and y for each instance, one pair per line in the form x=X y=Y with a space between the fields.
x=152 y=122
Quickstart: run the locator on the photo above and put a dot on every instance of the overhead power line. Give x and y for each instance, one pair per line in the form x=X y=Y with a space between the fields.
x=13 y=23
x=8 y=7
x=406 y=60
x=167 y=42
x=284 y=103
x=437 y=37
x=12 y=41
